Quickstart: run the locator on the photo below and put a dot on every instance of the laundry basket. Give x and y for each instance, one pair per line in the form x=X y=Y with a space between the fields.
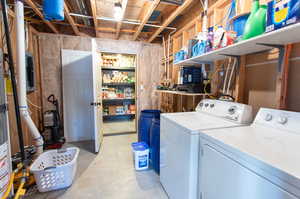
x=55 y=169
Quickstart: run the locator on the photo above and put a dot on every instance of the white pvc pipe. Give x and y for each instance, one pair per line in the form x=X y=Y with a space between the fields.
x=205 y=17
x=20 y=37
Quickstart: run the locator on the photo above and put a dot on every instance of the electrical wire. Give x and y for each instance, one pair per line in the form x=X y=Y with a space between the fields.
x=34 y=105
x=226 y=74
x=231 y=74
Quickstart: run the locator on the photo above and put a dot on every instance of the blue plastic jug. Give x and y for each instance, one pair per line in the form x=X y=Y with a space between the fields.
x=53 y=10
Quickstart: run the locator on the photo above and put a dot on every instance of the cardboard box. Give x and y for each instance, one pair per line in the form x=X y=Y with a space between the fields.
x=112 y=110
x=282 y=13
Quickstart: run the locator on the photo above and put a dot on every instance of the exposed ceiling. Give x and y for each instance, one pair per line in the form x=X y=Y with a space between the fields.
x=96 y=18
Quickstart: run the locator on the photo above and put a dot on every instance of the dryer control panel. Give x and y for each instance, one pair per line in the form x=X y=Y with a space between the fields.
x=285 y=120
x=240 y=113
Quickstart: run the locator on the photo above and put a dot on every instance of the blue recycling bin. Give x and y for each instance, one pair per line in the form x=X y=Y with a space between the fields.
x=155 y=144
x=145 y=122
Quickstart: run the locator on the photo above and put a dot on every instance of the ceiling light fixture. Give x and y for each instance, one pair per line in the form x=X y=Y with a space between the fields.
x=118 y=11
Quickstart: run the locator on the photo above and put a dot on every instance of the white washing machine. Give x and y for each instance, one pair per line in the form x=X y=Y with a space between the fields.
x=261 y=161
x=179 y=142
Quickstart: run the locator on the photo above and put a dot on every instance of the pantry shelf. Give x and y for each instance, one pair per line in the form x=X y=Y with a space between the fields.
x=118 y=84
x=106 y=101
x=119 y=68
x=284 y=36
x=118 y=117
x=182 y=93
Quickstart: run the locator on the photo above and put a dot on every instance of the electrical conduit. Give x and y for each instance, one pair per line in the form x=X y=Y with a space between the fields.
x=19 y=11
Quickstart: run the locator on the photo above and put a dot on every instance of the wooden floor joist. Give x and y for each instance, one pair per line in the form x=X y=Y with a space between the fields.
x=119 y=24
x=71 y=20
x=146 y=17
x=94 y=13
x=39 y=13
x=177 y=12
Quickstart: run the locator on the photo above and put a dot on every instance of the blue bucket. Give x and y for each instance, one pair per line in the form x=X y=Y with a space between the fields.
x=239 y=23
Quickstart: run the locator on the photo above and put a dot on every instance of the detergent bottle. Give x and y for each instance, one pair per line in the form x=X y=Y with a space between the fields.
x=256 y=23
x=218 y=37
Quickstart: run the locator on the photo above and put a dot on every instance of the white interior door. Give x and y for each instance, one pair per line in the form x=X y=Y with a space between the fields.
x=98 y=95
x=79 y=97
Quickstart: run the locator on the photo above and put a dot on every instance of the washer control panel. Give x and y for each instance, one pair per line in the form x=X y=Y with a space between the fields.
x=286 y=120
x=236 y=112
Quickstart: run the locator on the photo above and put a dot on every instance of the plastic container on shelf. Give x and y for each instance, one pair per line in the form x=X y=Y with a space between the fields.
x=140 y=155
x=218 y=36
x=155 y=145
x=238 y=24
x=145 y=122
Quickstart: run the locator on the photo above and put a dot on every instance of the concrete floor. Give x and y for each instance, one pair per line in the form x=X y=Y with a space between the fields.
x=117 y=127
x=109 y=175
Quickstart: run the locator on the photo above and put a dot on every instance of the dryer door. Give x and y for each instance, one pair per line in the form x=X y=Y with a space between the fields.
x=223 y=177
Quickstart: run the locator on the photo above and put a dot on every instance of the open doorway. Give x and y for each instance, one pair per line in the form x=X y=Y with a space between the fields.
x=118 y=93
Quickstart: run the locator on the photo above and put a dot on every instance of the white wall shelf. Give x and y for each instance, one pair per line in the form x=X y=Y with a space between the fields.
x=287 y=35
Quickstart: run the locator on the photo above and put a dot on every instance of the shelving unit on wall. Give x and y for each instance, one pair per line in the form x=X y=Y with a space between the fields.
x=118 y=86
x=279 y=39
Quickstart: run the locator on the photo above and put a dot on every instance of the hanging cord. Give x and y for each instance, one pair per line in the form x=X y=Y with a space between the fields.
x=231 y=74
x=225 y=80
x=13 y=79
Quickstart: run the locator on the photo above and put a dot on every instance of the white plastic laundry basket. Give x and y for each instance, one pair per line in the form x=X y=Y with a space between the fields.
x=55 y=169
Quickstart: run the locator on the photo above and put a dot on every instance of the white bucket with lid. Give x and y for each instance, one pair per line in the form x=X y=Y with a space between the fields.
x=141 y=155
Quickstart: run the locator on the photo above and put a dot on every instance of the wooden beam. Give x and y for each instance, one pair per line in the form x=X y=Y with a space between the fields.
x=282 y=80
x=177 y=12
x=148 y=14
x=71 y=20
x=119 y=24
x=101 y=29
x=94 y=13
x=38 y=12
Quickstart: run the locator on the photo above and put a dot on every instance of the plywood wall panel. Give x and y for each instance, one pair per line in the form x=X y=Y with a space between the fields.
x=149 y=75
x=293 y=97
x=260 y=86
x=149 y=57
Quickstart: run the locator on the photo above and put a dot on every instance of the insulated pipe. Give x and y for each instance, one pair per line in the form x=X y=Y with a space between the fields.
x=21 y=60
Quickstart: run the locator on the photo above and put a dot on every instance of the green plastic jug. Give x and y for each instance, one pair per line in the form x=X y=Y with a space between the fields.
x=256 y=23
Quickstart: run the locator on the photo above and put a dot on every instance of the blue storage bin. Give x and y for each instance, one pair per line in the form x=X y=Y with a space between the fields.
x=155 y=145
x=239 y=24
x=192 y=75
x=145 y=122
x=53 y=10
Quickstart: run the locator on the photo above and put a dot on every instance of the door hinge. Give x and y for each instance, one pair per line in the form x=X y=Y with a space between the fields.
x=3 y=108
x=201 y=151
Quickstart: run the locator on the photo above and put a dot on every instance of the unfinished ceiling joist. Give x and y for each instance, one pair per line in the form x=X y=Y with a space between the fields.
x=177 y=12
x=148 y=14
x=71 y=20
x=101 y=29
x=119 y=24
x=94 y=13
x=39 y=13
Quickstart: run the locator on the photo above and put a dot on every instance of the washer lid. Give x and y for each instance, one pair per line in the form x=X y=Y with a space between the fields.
x=195 y=121
x=272 y=150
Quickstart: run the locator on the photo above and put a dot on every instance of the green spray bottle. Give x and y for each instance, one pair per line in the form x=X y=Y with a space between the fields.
x=256 y=23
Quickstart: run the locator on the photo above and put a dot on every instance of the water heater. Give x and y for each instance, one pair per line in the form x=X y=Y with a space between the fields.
x=5 y=160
